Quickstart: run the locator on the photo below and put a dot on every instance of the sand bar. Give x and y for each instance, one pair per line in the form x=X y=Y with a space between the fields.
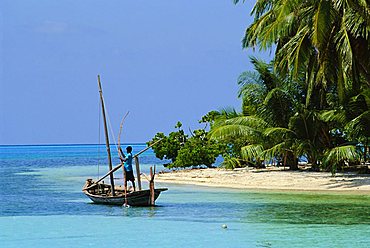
x=271 y=179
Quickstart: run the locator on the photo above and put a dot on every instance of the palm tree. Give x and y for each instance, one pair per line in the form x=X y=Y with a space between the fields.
x=327 y=39
x=349 y=123
x=276 y=124
x=325 y=45
x=267 y=109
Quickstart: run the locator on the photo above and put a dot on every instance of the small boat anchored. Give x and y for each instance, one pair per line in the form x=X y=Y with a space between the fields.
x=102 y=193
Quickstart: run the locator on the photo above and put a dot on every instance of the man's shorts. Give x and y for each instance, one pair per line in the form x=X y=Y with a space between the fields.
x=130 y=176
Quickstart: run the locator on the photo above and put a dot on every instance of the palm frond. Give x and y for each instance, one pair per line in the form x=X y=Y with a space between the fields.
x=252 y=152
x=278 y=104
x=231 y=163
x=359 y=126
x=339 y=154
x=233 y=131
x=322 y=24
x=229 y=112
x=250 y=84
x=275 y=151
x=250 y=121
x=280 y=132
x=333 y=115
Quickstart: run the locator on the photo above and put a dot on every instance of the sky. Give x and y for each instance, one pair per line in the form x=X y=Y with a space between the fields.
x=163 y=61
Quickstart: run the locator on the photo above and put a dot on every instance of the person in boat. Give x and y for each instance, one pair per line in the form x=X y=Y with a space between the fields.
x=128 y=165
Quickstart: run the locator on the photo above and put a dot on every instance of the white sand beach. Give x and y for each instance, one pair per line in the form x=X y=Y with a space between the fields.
x=272 y=179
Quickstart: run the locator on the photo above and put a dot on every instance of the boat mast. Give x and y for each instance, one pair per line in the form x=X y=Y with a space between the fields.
x=106 y=136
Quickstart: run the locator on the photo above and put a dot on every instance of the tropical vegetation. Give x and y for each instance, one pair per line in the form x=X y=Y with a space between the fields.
x=313 y=100
x=183 y=151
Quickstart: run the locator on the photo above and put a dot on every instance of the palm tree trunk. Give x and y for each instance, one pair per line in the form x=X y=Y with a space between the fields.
x=365 y=149
x=291 y=160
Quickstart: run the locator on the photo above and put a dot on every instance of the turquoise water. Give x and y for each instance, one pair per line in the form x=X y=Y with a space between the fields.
x=41 y=205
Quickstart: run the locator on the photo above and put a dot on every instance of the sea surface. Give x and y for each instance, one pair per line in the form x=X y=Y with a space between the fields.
x=41 y=205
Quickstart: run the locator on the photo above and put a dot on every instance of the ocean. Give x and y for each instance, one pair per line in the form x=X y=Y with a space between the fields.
x=42 y=205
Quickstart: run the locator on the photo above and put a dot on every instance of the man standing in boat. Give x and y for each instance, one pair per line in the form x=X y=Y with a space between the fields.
x=128 y=166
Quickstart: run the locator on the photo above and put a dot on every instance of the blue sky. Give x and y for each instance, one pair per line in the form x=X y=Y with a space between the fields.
x=164 y=61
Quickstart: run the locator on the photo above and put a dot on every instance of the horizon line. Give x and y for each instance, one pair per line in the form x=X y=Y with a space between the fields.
x=72 y=144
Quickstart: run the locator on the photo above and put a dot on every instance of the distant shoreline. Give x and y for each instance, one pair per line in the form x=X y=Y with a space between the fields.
x=87 y=144
x=271 y=180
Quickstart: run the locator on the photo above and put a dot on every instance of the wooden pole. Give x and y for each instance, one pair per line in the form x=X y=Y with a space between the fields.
x=145 y=149
x=124 y=183
x=119 y=135
x=138 y=171
x=151 y=187
x=106 y=136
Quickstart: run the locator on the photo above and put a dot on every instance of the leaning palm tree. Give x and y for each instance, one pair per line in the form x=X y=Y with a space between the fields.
x=267 y=104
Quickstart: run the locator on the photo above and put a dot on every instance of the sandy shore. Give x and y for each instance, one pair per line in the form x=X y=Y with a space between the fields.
x=272 y=179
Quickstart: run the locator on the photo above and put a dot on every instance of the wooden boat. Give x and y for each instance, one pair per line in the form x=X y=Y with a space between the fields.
x=102 y=193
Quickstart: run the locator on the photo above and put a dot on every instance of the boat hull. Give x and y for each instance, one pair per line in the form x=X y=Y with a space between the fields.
x=134 y=198
x=137 y=198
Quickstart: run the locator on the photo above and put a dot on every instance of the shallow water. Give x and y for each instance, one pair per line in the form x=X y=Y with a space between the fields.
x=43 y=206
